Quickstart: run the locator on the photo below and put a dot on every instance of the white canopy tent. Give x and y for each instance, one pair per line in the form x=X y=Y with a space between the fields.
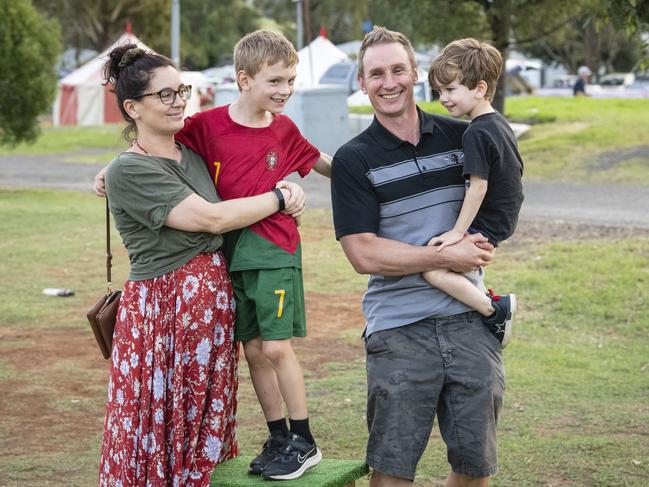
x=315 y=59
x=81 y=98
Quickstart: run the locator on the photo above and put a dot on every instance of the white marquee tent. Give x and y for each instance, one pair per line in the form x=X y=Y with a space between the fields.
x=315 y=59
x=82 y=100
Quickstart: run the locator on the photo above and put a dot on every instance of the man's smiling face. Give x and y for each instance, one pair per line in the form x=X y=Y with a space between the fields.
x=388 y=78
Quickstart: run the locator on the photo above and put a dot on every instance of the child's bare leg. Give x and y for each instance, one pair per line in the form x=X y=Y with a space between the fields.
x=264 y=380
x=460 y=288
x=289 y=376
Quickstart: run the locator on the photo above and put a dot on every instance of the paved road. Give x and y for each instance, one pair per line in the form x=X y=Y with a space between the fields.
x=609 y=205
x=47 y=171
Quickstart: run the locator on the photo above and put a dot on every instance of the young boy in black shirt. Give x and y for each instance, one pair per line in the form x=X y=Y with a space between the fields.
x=465 y=75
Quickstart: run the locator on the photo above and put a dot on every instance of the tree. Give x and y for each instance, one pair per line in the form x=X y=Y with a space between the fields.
x=96 y=24
x=499 y=21
x=631 y=14
x=211 y=28
x=572 y=31
x=342 y=19
x=29 y=46
x=590 y=41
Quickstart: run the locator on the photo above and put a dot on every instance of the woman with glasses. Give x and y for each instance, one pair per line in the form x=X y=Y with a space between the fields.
x=170 y=416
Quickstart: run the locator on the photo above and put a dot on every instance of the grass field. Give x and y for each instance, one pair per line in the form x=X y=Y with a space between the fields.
x=577 y=401
x=101 y=141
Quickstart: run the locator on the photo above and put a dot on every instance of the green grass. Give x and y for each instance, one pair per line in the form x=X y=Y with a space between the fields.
x=578 y=139
x=54 y=239
x=59 y=140
x=577 y=401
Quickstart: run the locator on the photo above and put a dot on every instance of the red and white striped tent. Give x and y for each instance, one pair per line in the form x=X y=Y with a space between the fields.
x=81 y=99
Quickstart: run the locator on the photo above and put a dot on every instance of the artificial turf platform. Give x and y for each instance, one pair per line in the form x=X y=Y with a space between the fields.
x=328 y=473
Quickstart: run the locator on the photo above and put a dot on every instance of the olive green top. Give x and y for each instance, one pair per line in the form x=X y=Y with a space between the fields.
x=142 y=190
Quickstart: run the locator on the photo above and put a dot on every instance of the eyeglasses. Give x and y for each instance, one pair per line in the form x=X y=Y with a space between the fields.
x=168 y=96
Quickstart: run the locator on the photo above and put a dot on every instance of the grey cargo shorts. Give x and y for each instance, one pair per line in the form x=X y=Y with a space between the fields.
x=450 y=367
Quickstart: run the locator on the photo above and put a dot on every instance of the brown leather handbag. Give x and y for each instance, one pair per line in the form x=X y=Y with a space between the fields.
x=103 y=314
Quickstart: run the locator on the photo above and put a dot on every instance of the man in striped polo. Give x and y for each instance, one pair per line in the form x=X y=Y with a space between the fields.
x=395 y=186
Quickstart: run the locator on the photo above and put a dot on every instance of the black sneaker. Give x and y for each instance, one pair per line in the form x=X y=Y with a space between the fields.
x=294 y=460
x=501 y=322
x=272 y=446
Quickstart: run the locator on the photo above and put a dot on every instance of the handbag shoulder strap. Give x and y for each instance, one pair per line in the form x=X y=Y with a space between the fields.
x=109 y=256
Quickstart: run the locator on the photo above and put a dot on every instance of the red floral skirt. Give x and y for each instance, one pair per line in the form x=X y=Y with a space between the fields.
x=172 y=394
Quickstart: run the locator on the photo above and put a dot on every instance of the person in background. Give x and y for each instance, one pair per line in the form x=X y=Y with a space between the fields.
x=579 y=89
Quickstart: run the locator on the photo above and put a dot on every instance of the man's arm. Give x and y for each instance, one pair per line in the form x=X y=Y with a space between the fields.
x=371 y=254
x=323 y=165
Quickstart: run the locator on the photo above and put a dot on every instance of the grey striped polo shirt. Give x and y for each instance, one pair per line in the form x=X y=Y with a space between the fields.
x=387 y=186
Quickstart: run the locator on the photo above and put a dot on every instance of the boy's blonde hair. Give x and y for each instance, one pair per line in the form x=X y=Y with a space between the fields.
x=263 y=48
x=381 y=35
x=470 y=61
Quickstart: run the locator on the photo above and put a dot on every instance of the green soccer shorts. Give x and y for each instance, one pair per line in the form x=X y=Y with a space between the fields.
x=270 y=304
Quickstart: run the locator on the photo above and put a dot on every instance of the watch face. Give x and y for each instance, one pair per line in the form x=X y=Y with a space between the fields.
x=272 y=158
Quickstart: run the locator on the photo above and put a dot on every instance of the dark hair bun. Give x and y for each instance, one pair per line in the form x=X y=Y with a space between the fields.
x=115 y=64
x=130 y=57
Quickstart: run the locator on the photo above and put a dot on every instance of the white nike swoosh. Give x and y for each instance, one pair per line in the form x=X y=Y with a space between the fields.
x=301 y=458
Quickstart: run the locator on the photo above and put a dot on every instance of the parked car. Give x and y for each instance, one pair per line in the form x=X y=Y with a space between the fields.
x=342 y=74
x=641 y=82
x=563 y=81
x=617 y=79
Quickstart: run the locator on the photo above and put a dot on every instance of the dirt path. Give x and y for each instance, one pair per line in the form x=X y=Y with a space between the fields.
x=607 y=205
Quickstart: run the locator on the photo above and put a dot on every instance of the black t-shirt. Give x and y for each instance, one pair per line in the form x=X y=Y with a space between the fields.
x=491 y=153
x=580 y=87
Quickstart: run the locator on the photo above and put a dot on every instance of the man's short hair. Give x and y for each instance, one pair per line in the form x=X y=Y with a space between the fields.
x=381 y=35
x=470 y=61
x=263 y=48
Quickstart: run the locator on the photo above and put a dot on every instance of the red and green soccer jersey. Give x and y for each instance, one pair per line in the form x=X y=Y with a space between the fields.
x=245 y=161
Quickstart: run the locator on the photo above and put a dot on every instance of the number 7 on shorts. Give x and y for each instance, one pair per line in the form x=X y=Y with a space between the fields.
x=280 y=305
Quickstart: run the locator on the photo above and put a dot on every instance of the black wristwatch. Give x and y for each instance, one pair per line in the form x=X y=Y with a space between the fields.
x=280 y=197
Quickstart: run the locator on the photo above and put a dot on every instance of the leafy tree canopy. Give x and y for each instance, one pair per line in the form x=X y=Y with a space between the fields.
x=210 y=29
x=96 y=24
x=29 y=46
x=342 y=19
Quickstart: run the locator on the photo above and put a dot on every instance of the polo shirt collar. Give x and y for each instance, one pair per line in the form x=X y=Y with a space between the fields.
x=388 y=141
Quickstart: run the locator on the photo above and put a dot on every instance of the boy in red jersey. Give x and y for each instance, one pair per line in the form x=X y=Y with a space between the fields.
x=248 y=147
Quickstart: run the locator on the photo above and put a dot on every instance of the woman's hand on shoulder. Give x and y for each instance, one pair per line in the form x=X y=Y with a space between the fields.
x=295 y=204
x=100 y=183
